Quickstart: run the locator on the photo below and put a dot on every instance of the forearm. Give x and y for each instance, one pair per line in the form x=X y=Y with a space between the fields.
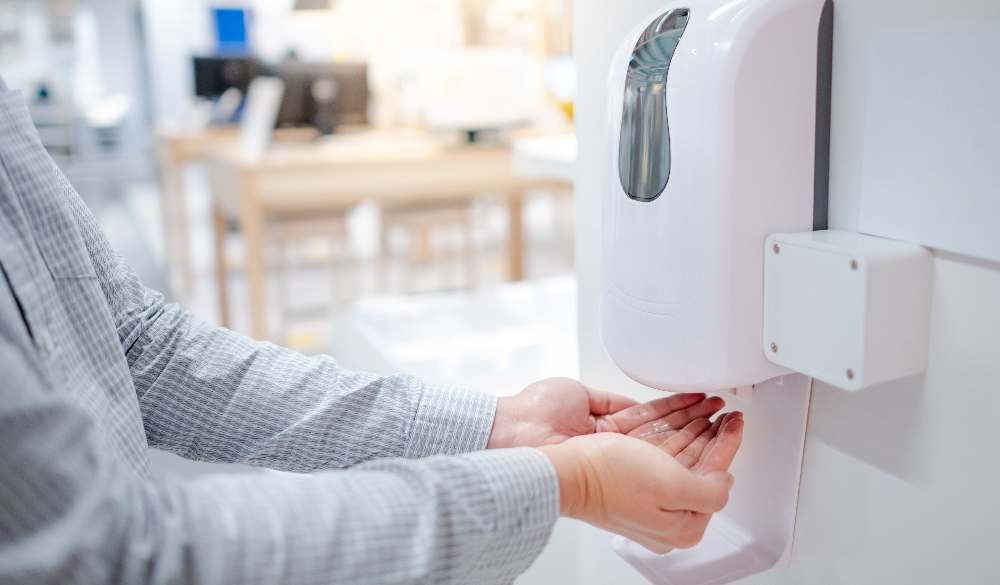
x=210 y=394
x=479 y=518
x=71 y=511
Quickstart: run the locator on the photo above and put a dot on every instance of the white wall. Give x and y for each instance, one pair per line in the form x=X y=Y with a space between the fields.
x=900 y=481
x=120 y=69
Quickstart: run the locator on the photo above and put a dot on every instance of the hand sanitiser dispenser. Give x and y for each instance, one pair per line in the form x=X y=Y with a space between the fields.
x=718 y=137
x=711 y=149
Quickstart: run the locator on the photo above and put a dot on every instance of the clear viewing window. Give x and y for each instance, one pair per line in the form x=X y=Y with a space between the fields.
x=644 y=148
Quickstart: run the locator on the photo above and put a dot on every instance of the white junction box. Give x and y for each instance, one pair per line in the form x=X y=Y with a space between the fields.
x=846 y=308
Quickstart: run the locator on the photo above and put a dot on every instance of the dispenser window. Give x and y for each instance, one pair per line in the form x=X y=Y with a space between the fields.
x=644 y=148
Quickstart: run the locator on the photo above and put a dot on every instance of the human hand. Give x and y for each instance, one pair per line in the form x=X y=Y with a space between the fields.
x=657 y=496
x=553 y=410
x=694 y=446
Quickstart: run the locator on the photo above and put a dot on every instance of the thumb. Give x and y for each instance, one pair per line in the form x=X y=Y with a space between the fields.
x=706 y=493
x=723 y=478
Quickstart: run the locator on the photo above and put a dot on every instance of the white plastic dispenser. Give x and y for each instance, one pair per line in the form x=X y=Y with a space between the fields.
x=711 y=149
x=713 y=146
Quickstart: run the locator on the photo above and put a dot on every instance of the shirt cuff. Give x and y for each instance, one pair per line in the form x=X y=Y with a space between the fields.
x=525 y=490
x=450 y=421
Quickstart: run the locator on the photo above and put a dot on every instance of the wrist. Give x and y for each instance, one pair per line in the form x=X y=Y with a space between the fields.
x=503 y=433
x=572 y=481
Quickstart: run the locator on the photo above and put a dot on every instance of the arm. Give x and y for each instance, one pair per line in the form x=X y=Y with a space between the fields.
x=70 y=512
x=210 y=394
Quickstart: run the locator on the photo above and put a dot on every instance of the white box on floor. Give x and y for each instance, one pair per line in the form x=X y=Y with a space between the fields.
x=846 y=308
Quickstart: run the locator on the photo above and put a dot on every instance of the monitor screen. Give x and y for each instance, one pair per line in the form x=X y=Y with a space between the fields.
x=324 y=95
x=214 y=75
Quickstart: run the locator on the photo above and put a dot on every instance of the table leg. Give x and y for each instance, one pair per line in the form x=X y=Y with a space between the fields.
x=252 y=226
x=181 y=232
x=516 y=243
x=174 y=210
x=221 y=270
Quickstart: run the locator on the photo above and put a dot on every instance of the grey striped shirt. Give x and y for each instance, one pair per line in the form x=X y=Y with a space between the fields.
x=95 y=369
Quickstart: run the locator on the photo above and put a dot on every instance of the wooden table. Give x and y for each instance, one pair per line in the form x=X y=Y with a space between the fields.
x=388 y=167
x=174 y=150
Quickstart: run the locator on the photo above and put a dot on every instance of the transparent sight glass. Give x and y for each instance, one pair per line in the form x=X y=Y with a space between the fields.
x=644 y=148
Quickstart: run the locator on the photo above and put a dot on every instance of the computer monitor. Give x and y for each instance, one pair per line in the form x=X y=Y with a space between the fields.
x=324 y=95
x=214 y=75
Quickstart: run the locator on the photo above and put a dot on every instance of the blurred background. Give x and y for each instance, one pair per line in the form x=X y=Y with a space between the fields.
x=388 y=181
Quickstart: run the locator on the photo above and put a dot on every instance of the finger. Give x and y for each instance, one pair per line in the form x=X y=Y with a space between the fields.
x=683 y=438
x=630 y=419
x=656 y=438
x=659 y=434
x=607 y=403
x=716 y=425
x=720 y=455
x=720 y=421
x=680 y=418
x=690 y=455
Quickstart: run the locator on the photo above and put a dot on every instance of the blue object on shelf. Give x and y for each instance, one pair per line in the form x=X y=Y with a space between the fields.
x=231 y=31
